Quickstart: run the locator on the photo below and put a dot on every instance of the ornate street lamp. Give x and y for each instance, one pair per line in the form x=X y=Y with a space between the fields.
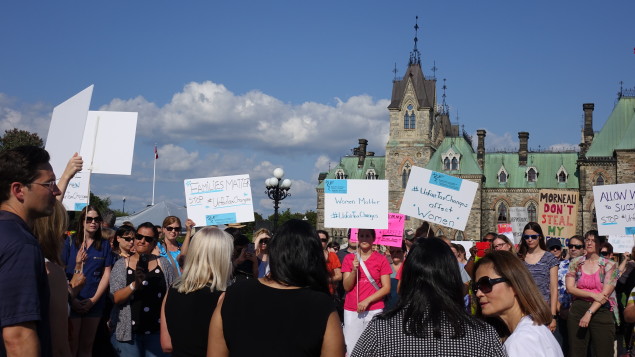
x=277 y=190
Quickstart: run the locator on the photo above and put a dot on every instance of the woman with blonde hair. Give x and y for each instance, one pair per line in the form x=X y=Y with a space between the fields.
x=188 y=306
x=261 y=243
x=505 y=289
x=168 y=246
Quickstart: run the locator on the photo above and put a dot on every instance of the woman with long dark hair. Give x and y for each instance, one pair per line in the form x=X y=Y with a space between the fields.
x=590 y=281
x=542 y=266
x=87 y=308
x=430 y=314
x=505 y=290
x=294 y=304
x=122 y=244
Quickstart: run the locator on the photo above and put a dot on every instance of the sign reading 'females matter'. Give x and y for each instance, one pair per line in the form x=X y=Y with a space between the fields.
x=219 y=200
x=438 y=198
x=615 y=208
x=356 y=204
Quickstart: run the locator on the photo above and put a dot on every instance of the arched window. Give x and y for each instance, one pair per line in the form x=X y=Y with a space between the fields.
x=455 y=164
x=502 y=177
x=405 y=174
x=446 y=164
x=562 y=177
x=339 y=175
x=409 y=119
x=459 y=236
x=439 y=233
x=595 y=218
x=600 y=180
x=531 y=175
x=531 y=212
x=502 y=213
x=371 y=175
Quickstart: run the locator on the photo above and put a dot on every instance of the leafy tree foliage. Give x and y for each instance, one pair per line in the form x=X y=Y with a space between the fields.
x=16 y=137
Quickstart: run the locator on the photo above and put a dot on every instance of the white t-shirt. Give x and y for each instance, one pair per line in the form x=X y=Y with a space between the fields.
x=532 y=340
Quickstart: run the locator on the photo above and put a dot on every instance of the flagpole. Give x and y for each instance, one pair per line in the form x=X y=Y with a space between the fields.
x=154 y=175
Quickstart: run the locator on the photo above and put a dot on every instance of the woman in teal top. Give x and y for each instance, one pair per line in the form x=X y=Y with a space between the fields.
x=168 y=246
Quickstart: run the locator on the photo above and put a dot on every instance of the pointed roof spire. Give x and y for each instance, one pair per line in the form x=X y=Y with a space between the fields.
x=444 y=106
x=415 y=55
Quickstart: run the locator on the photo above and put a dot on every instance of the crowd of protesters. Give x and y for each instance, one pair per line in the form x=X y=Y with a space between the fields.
x=154 y=291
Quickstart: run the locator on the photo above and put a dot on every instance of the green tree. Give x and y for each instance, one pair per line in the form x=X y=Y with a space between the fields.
x=16 y=137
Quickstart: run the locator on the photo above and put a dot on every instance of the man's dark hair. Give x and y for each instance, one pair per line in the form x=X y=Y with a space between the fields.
x=20 y=165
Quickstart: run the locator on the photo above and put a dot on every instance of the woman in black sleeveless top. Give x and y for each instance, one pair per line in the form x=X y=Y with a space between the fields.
x=190 y=302
x=295 y=314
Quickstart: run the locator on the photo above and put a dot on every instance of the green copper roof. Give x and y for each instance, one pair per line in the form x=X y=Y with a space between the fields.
x=467 y=163
x=618 y=132
x=349 y=165
x=547 y=164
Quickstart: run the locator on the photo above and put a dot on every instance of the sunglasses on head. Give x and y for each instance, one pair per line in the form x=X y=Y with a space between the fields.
x=147 y=238
x=91 y=219
x=576 y=246
x=486 y=284
x=264 y=241
x=531 y=236
x=170 y=229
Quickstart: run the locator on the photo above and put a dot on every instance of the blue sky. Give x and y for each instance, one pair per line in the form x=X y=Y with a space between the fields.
x=240 y=87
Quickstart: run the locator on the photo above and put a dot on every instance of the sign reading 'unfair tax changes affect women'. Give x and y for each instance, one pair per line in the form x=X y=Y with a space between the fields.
x=615 y=208
x=356 y=204
x=438 y=198
x=219 y=200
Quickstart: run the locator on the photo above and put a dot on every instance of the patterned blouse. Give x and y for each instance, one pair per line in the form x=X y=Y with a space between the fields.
x=608 y=273
x=563 y=296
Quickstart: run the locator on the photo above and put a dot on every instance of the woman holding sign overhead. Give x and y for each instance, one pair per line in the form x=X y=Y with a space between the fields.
x=366 y=282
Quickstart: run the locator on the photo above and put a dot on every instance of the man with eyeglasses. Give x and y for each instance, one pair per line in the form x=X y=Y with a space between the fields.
x=27 y=191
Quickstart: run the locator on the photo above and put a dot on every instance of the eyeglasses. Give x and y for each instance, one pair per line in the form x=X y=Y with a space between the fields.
x=264 y=241
x=324 y=240
x=555 y=248
x=590 y=240
x=576 y=246
x=486 y=284
x=499 y=246
x=170 y=229
x=127 y=239
x=531 y=236
x=51 y=185
x=93 y=219
x=604 y=253
x=141 y=236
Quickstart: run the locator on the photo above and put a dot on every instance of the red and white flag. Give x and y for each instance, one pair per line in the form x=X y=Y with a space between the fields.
x=156 y=152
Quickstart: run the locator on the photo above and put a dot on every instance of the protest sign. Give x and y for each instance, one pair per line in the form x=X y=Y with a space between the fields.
x=66 y=129
x=558 y=213
x=356 y=204
x=219 y=200
x=99 y=154
x=438 y=198
x=615 y=208
x=393 y=236
x=519 y=217
x=77 y=192
x=621 y=243
x=506 y=230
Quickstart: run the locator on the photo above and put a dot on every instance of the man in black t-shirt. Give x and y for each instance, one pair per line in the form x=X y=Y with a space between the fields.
x=27 y=191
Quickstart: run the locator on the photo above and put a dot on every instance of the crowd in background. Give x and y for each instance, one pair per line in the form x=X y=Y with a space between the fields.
x=167 y=290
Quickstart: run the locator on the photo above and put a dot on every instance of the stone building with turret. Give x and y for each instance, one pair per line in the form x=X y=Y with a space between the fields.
x=421 y=134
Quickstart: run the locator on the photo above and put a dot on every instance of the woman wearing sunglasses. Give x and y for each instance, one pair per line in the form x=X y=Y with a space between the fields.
x=591 y=280
x=261 y=243
x=505 y=290
x=542 y=266
x=333 y=265
x=138 y=285
x=96 y=261
x=430 y=314
x=169 y=247
x=122 y=244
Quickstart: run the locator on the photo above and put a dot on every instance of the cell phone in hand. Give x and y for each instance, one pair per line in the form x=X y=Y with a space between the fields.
x=251 y=248
x=143 y=261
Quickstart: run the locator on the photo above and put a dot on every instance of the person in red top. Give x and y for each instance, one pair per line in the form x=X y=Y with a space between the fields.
x=364 y=294
x=333 y=265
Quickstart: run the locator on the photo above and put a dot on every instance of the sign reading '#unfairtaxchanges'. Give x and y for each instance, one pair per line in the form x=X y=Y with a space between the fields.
x=219 y=200
x=615 y=208
x=438 y=198
x=356 y=204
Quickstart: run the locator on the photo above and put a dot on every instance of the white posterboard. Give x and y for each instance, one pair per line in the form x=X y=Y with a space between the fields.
x=467 y=244
x=615 y=209
x=519 y=217
x=66 y=130
x=621 y=244
x=77 y=192
x=438 y=198
x=356 y=204
x=219 y=200
x=111 y=135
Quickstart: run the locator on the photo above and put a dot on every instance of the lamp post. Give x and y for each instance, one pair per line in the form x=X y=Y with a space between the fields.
x=277 y=190
x=123 y=208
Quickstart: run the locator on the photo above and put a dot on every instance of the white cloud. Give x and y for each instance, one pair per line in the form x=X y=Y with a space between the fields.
x=33 y=117
x=497 y=142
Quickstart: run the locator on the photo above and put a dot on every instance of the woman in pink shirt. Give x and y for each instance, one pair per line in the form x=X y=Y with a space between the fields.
x=366 y=284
